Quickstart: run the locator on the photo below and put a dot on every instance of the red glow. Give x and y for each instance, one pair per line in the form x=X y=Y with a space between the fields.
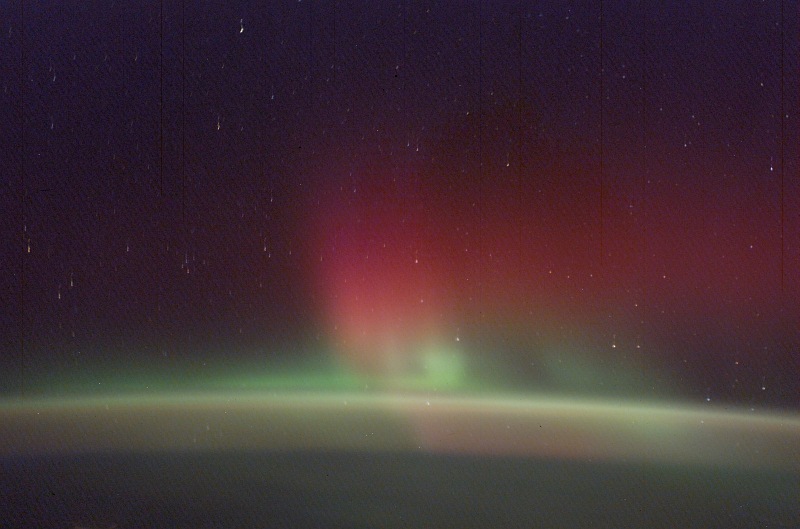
x=403 y=266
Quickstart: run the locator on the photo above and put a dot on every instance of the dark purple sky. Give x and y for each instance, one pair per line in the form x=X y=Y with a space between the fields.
x=271 y=178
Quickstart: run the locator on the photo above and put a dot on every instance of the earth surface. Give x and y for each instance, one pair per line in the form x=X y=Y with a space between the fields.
x=392 y=460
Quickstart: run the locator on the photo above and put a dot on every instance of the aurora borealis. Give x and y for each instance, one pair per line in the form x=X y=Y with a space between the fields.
x=497 y=195
x=364 y=263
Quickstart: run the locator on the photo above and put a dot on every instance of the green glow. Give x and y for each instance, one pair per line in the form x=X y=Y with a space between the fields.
x=440 y=369
x=436 y=368
x=444 y=368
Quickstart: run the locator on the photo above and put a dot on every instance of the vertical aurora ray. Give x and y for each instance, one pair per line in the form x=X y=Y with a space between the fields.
x=401 y=272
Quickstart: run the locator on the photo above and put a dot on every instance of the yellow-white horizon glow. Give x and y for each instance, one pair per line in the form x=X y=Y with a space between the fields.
x=588 y=430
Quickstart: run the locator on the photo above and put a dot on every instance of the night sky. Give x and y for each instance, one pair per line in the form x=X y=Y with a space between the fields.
x=559 y=196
